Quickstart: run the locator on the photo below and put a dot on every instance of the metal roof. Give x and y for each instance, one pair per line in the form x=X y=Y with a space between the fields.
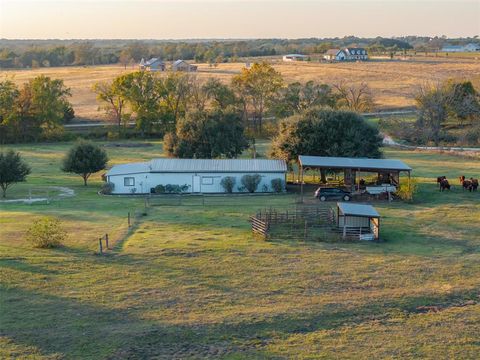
x=200 y=165
x=361 y=210
x=353 y=163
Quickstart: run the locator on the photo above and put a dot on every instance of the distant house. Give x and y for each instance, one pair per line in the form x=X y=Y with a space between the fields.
x=154 y=64
x=472 y=47
x=335 y=55
x=349 y=54
x=295 y=57
x=182 y=65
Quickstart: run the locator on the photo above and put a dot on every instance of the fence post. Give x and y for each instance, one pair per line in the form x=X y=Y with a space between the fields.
x=305 y=231
x=129 y=223
x=106 y=241
x=100 y=245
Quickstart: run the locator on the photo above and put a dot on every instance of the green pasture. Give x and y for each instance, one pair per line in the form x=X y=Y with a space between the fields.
x=191 y=281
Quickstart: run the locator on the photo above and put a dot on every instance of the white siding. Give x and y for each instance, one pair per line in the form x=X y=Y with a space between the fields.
x=209 y=182
x=353 y=221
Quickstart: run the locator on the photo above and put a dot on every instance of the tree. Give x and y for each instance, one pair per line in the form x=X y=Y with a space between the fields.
x=112 y=95
x=297 y=97
x=257 y=86
x=352 y=97
x=228 y=183
x=465 y=100
x=13 y=169
x=433 y=107
x=85 y=158
x=207 y=134
x=325 y=132
x=220 y=95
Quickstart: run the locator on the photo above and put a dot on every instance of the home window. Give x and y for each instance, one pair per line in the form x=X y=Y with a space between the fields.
x=207 y=180
x=129 y=181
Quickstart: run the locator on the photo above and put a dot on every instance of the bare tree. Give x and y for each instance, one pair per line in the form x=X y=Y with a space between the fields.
x=358 y=98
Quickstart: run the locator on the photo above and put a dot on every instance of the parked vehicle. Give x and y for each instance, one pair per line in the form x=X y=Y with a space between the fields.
x=324 y=194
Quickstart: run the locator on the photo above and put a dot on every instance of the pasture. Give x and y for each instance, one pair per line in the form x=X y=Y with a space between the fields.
x=191 y=282
x=393 y=82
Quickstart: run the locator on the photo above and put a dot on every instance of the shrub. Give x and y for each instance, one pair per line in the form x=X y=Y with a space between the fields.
x=277 y=185
x=407 y=192
x=251 y=182
x=107 y=188
x=228 y=184
x=46 y=233
x=159 y=189
x=265 y=188
x=176 y=189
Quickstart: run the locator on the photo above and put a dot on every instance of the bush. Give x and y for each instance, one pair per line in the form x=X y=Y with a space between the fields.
x=265 y=188
x=171 y=189
x=159 y=189
x=406 y=192
x=46 y=233
x=251 y=182
x=228 y=184
x=107 y=188
x=277 y=185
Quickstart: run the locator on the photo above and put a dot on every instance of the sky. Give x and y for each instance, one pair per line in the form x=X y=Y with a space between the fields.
x=240 y=19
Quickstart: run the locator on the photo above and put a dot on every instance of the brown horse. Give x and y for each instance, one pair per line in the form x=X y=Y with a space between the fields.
x=468 y=184
x=439 y=181
x=444 y=185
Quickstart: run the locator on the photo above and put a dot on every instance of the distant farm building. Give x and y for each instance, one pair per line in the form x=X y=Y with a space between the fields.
x=471 y=47
x=295 y=57
x=347 y=54
x=154 y=64
x=195 y=175
x=182 y=65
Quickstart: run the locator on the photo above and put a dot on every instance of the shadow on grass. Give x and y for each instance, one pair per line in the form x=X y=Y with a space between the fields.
x=57 y=325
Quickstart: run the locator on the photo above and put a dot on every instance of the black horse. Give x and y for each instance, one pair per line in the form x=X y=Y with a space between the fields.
x=444 y=185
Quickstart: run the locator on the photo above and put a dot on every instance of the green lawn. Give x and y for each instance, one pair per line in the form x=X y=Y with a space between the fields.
x=191 y=282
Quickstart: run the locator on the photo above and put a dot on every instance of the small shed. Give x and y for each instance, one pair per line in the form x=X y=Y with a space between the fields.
x=154 y=64
x=361 y=217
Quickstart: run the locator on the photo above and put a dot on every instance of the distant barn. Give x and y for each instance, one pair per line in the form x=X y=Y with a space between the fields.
x=182 y=65
x=347 y=54
x=199 y=175
x=154 y=64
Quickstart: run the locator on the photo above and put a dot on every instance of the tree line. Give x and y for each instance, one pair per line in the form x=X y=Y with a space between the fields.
x=28 y=54
x=35 y=111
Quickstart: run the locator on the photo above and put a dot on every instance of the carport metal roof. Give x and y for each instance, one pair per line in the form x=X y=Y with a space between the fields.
x=353 y=163
x=359 y=210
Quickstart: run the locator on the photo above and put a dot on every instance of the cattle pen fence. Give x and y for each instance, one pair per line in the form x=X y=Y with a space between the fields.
x=299 y=223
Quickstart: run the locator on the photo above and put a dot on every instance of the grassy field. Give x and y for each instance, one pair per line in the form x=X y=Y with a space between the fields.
x=191 y=282
x=393 y=82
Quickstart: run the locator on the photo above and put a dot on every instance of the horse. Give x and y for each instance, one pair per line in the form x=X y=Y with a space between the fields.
x=468 y=184
x=474 y=185
x=439 y=181
x=444 y=185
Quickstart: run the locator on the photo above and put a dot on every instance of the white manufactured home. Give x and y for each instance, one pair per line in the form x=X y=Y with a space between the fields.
x=194 y=175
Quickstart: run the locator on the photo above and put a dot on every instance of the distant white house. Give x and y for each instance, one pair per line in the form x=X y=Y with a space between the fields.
x=471 y=47
x=182 y=65
x=347 y=54
x=154 y=64
x=295 y=57
x=197 y=175
x=335 y=55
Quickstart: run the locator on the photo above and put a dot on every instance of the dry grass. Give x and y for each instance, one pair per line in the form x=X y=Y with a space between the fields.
x=393 y=82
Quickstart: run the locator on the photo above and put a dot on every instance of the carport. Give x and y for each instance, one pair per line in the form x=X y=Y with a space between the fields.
x=387 y=170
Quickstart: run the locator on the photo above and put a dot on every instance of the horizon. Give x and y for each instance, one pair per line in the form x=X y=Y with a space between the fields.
x=235 y=19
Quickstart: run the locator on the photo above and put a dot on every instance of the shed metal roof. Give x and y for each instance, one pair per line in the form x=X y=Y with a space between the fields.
x=361 y=210
x=200 y=166
x=353 y=163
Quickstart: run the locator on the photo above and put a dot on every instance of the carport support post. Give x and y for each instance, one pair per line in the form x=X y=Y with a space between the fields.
x=301 y=181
